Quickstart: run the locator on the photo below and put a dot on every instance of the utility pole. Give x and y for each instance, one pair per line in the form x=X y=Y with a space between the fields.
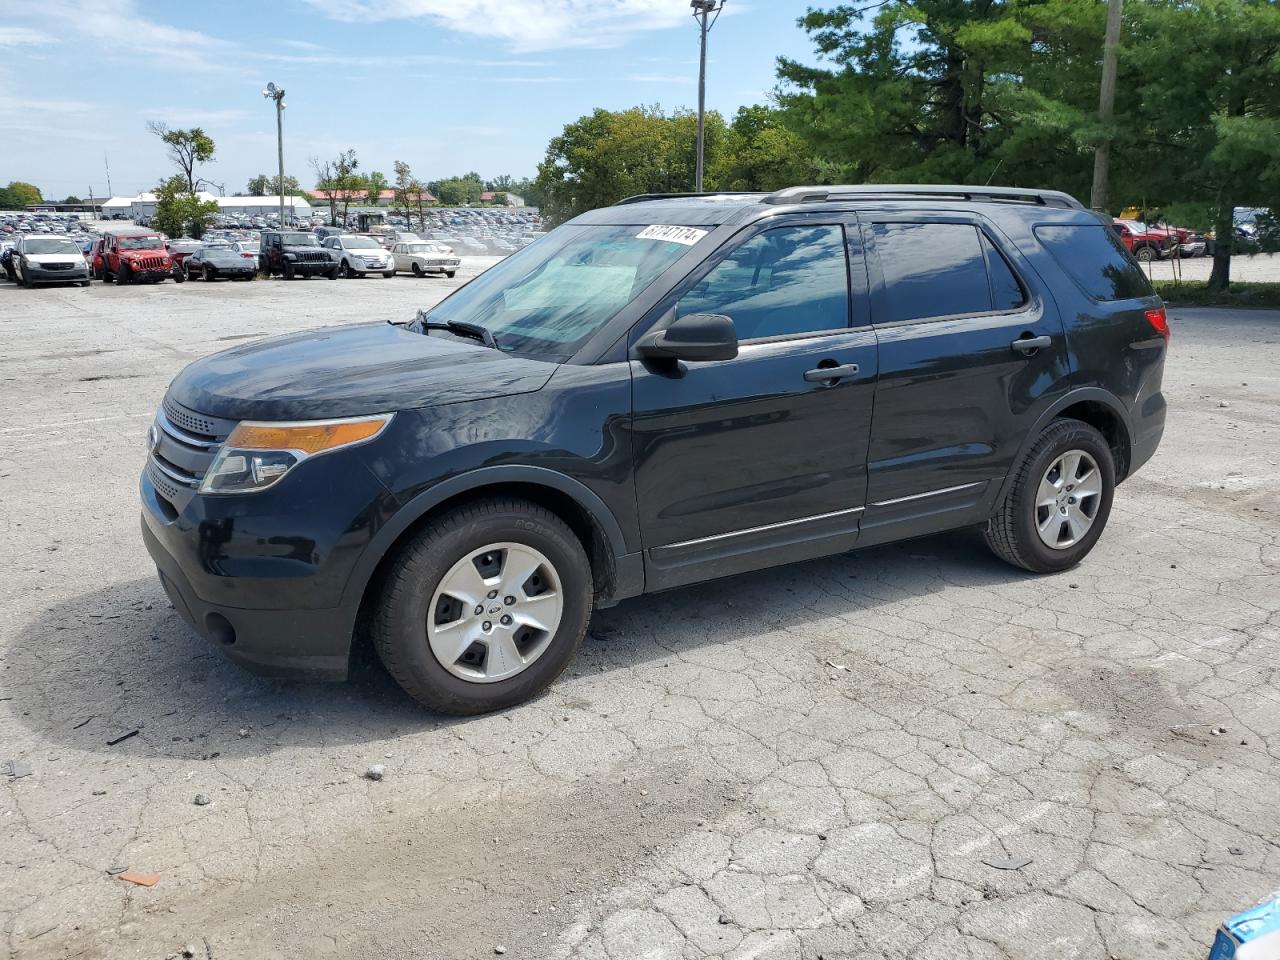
x=1106 y=107
x=107 y=165
x=272 y=92
x=701 y=9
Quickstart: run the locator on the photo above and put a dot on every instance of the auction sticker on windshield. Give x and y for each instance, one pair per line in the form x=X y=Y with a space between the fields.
x=687 y=236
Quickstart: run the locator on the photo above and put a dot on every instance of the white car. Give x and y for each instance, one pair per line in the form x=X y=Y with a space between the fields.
x=47 y=258
x=423 y=257
x=357 y=256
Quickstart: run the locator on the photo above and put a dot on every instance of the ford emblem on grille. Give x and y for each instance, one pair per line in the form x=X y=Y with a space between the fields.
x=153 y=438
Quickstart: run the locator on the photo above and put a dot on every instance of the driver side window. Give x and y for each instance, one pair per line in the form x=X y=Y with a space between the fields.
x=783 y=282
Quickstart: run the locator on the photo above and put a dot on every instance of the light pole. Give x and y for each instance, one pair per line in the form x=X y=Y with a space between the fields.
x=701 y=9
x=1099 y=197
x=277 y=94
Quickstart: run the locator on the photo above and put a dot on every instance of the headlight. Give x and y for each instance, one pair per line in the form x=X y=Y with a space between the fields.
x=257 y=455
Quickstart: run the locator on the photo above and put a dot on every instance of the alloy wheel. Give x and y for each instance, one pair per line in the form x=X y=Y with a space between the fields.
x=495 y=612
x=1067 y=500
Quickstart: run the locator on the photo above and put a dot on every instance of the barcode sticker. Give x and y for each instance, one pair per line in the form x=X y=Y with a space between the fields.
x=687 y=236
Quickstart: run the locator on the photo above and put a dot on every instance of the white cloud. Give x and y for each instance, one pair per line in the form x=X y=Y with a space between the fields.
x=657 y=78
x=525 y=24
x=194 y=116
x=24 y=37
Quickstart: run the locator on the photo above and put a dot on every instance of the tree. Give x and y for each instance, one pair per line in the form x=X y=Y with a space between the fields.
x=761 y=153
x=179 y=211
x=605 y=156
x=267 y=185
x=374 y=184
x=72 y=198
x=501 y=184
x=336 y=180
x=456 y=191
x=186 y=149
x=410 y=192
x=1219 y=144
x=23 y=194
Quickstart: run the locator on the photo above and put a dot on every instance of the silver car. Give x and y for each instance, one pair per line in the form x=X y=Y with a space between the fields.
x=48 y=259
x=357 y=256
x=423 y=257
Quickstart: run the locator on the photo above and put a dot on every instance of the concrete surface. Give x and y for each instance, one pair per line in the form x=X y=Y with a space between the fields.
x=1259 y=268
x=847 y=758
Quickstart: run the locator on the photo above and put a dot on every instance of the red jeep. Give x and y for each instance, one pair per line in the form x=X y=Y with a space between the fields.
x=133 y=257
x=1145 y=243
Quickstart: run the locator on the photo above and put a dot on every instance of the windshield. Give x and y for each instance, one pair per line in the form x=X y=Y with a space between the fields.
x=550 y=297
x=1137 y=226
x=422 y=248
x=210 y=247
x=250 y=246
x=299 y=240
x=140 y=243
x=360 y=243
x=53 y=246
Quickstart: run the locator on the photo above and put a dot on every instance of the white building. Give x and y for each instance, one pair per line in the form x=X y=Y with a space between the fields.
x=144 y=205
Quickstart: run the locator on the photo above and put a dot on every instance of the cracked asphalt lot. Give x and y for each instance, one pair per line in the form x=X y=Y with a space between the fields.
x=914 y=751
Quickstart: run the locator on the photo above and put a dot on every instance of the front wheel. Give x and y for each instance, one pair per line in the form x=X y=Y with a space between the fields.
x=208 y=274
x=344 y=271
x=1145 y=254
x=388 y=274
x=451 y=274
x=288 y=270
x=123 y=276
x=1059 y=502
x=417 y=271
x=485 y=607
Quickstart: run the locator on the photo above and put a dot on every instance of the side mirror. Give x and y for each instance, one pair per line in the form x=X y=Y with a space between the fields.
x=699 y=336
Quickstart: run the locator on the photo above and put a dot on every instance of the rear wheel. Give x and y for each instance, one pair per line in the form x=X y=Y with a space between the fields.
x=485 y=607
x=1059 y=502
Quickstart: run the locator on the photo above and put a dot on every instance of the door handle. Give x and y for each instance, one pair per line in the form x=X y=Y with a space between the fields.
x=835 y=372
x=1031 y=344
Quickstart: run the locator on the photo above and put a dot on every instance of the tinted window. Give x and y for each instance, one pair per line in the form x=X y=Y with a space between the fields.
x=1096 y=259
x=1006 y=291
x=932 y=269
x=784 y=281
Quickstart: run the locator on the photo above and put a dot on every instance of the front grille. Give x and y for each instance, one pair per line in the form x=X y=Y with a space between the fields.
x=147 y=263
x=56 y=266
x=162 y=483
x=187 y=444
x=313 y=257
x=193 y=422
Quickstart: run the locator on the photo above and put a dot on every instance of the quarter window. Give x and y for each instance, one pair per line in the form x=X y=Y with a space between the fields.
x=1006 y=291
x=782 y=282
x=1096 y=259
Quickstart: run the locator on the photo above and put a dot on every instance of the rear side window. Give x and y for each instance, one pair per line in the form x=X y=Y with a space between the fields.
x=1096 y=259
x=941 y=270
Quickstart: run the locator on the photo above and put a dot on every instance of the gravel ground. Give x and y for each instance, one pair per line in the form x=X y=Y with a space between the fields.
x=1259 y=268
x=914 y=751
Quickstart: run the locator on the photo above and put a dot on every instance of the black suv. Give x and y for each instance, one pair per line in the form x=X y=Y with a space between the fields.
x=295 y=253
x=662 y=392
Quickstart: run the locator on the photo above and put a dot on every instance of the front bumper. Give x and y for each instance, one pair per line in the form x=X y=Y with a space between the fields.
x=1194 y=249
x=360 y=267
x=262 y=576
x=312 y=268
x=41 y=274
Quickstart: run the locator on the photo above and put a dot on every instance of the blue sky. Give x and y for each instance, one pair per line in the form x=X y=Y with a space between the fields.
x=448 y=85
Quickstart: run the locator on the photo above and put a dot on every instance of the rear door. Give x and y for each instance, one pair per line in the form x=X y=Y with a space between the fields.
x=759 y=460
x=971 y=352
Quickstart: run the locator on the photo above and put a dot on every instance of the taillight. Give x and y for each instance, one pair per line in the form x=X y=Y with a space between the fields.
x=1159 y=320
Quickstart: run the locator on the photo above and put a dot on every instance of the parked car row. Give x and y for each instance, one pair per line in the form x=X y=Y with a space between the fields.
x=1149 y=242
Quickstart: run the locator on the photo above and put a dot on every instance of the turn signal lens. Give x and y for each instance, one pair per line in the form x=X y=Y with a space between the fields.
x=310 y=438
x=1160 y=321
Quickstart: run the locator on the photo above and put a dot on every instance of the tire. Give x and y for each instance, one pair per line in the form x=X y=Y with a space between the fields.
x=123 y=275
x=417 y=271
x=179 y=275
x=289 y=272
x=1146 y=254
x=208 y=274
x=399 y=622
x=83 y=283
x=344 y=271
x=388 y=275
x=332 y=274
x=451 y=273
x=1013 y=534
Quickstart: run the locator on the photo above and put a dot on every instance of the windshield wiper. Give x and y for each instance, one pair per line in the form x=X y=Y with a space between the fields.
x=457 y=327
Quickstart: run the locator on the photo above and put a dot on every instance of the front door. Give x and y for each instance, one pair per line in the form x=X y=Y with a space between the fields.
x=761 y=459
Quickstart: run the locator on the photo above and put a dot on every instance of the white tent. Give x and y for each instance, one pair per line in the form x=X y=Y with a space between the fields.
x=260 y=206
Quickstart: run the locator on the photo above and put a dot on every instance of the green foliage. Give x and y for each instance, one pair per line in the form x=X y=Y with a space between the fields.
x=186 y=149
x=374 y=184
x=267 y=185
x=19 y=194
x=179 y=212
x=761 y=153
x=1198 y=293
x=456 y=191
x=601 y=158
x=73 y=199
x=337 y=180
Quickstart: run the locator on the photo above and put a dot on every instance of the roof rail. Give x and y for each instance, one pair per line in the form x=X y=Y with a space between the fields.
x=867 y=191
x=642 y=197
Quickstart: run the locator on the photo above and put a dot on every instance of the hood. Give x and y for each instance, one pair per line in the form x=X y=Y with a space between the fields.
x=348 y=372
x=46 y=258
x=149 y=252
x=227 y=258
